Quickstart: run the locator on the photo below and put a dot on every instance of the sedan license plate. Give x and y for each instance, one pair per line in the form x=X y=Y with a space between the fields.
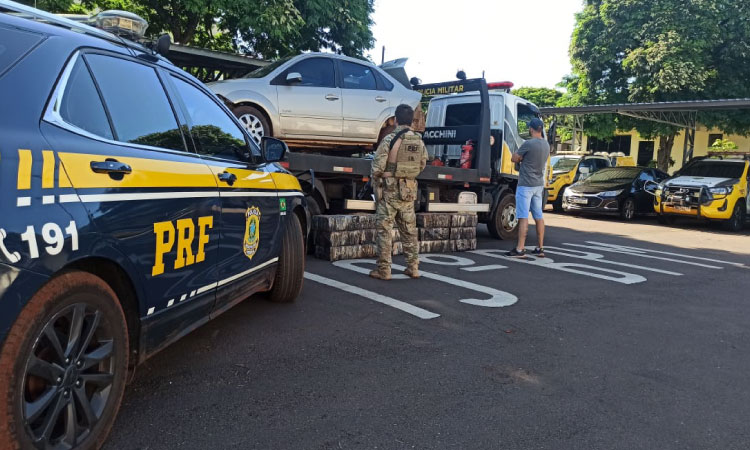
x=580 y=201
x=681 y=208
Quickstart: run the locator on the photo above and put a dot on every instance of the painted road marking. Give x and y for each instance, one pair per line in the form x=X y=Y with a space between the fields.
x=498 y=299
x=580 y=269
x=392 y=302
x=484 y=268
x=645 y=250
x=642 y=254
x=597 y=257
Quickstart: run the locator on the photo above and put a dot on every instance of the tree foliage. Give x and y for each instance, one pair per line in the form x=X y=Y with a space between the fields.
x=261 y=28
x=660 y=50
x=541 y=97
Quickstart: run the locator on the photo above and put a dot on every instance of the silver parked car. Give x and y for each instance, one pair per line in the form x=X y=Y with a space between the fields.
x=318 y=97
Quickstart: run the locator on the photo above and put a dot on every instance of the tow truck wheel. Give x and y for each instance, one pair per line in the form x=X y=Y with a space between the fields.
x=737 y=221
x=314 y=208
x=291 y=268
x=254 y=122
x=63 y=366
x=504 y=223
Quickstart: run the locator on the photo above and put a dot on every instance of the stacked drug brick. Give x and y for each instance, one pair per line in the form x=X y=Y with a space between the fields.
x=353 y=236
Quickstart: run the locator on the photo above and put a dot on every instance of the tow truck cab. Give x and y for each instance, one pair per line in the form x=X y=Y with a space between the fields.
x=711 y=188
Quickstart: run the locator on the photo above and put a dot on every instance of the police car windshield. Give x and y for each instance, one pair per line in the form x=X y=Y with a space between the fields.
x=714 y=169
x=563 y=164
x=265 y=70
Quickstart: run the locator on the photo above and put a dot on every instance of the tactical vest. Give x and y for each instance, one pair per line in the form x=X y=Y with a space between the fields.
x=409 y=157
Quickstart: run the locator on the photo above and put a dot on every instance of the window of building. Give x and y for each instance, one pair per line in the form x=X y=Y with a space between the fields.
x=714 y=137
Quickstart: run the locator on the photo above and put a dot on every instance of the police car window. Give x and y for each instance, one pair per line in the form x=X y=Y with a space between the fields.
x=357 y=76
x=136 y=101
x=316 y=72
x=525 y=114
x=212 y=129
x=81 y=105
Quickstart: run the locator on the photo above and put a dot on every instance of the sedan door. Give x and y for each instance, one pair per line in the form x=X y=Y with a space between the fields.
x=311 y=104
x=365 y=106
x=249 y=241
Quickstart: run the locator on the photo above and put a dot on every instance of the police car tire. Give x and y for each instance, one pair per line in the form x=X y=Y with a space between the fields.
x=290 y=271
x=737 y=221
x=57 y=294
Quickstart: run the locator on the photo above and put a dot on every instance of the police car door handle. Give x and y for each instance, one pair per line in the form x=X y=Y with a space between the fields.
x=110 y=166
x=228 y=178
x=332 y=97
x=380 y=99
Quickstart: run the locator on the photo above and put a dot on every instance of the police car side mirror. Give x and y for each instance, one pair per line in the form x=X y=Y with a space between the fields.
x=293 y=77
x=272 y=149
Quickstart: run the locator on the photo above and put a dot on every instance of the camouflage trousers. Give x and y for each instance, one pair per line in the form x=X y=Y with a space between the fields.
x=386 y=212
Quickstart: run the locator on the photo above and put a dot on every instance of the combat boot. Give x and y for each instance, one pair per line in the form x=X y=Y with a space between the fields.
x=412 y=272
x=381 y=274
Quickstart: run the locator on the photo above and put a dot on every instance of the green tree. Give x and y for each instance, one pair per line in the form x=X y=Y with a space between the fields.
x=660 y=50
x=262 y=28
x=541 y=97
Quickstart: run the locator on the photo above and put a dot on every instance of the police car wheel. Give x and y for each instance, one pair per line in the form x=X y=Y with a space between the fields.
x=737 y=221
x=504 y=223
x=291 y=268
x=63 y=366
x=253 y=121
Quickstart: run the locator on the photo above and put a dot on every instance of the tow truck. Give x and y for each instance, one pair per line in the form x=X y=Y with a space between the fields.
x=472 y=128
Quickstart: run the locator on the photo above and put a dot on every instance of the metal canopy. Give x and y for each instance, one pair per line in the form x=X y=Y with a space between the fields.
x=211 y=65
x=683 y=114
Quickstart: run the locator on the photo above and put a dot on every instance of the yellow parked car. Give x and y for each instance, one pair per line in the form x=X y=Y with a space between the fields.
x=711 y=188
x=568 y=169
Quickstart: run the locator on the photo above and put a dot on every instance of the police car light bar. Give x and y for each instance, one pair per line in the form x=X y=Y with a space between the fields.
x=504 y=85
x=121 y=23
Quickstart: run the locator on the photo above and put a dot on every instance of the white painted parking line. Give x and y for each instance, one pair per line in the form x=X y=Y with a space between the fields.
x=681 y=255
x=602 y=247
x=483 y=268
x=598 y=257
x=498 y=299
x=374 y=296
x=580 y=269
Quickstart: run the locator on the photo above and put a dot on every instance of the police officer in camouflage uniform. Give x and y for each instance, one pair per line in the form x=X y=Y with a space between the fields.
x=399 y=159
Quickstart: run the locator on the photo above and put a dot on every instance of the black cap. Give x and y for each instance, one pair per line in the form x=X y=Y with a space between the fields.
x=536 y=124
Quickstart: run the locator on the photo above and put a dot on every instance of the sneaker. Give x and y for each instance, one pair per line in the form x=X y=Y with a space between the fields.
x=538 y=252
x=516 y=254
x=380 y=275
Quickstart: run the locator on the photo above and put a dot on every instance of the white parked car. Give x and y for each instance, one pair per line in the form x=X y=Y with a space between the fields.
x=317 y=97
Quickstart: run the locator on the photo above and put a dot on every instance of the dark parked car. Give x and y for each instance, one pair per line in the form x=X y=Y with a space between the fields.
x=134 y=208
x=616 y=190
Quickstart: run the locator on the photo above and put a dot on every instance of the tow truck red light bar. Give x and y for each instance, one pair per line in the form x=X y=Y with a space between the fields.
x=504 y=85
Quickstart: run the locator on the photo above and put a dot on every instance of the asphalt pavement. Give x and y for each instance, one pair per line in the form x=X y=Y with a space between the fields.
x=622 y=338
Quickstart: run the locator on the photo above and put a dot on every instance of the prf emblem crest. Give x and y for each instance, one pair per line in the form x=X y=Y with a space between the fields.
x=252 y=231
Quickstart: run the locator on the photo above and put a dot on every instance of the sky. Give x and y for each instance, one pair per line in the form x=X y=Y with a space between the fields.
x=525 y=41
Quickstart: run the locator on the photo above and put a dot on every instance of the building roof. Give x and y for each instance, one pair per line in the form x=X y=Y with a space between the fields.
x=692 y=105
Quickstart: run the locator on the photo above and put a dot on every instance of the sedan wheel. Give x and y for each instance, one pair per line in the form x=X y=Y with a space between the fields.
x=253 y=121
x=627 y=211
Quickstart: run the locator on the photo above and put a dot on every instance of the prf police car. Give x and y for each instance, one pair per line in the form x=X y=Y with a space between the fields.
x=134 y=209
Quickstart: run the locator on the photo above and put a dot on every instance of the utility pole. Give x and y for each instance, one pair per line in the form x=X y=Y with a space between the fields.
x=382 y=57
